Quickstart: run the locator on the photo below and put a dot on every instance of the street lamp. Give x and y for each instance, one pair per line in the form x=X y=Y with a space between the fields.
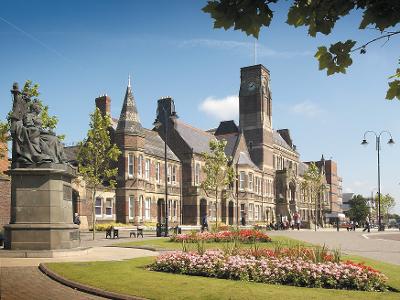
x=378 y=147
x=157 y=124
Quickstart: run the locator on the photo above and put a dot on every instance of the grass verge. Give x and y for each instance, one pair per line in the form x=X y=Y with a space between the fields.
x=131 y=277
x=166 y=244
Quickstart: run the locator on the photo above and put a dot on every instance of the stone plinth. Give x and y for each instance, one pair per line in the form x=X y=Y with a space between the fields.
x=41 y=209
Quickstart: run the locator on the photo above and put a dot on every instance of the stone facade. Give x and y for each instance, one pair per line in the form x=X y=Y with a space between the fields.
x=268 y=167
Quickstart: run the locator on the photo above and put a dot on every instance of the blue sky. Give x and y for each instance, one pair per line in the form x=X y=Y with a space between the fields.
x=77 y=50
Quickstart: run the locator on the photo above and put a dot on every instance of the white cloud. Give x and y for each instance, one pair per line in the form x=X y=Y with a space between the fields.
x=307 y=109
x=246 y=47
x=221 y=109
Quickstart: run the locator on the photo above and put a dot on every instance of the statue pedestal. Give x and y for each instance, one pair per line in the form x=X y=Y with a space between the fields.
x=41 y=209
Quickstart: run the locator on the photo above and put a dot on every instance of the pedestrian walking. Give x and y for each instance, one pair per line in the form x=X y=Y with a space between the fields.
x=204 y=223
x=367 y=224
x=296 y=218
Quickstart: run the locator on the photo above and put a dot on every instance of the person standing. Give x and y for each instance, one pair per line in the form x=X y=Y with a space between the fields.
x=367 y=224
x=204 y=223
x=77 y=219
x=296 y=218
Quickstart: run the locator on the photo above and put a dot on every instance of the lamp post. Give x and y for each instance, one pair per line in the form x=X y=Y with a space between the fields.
x=378 y=147
x=157 y=123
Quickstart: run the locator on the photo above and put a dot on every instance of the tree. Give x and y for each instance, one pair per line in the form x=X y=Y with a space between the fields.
x=219 y=173
x=387 y=204
x=313 y=183
x=320 y=16
x=96 y=156
x=358 y=209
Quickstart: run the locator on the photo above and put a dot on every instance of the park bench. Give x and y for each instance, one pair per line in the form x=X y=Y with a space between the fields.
x=113 y=231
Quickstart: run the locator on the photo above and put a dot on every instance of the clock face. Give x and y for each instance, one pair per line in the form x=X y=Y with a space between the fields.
x=251 y=86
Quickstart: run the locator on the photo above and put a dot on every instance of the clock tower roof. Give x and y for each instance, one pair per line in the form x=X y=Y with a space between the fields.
x=129 y=121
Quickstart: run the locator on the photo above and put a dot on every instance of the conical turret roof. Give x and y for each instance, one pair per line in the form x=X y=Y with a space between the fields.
x=129 y=121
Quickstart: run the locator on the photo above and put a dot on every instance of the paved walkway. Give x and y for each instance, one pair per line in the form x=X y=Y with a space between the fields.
x=386 y=249
x=20 y=278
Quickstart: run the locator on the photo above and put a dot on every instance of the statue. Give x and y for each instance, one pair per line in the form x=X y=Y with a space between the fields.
x=31 y=144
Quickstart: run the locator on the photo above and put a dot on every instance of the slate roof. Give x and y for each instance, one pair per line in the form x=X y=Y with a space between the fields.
x=226 y=127
x=244 y=159
x=129 y=121
x=196 y=138
x=154 y=145
x=231 y=140
x=278 y=140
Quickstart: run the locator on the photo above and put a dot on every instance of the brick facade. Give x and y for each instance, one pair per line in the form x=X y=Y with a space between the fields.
x=5 y=200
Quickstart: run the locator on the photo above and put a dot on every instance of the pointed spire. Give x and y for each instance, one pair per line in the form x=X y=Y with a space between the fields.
x=129 y=121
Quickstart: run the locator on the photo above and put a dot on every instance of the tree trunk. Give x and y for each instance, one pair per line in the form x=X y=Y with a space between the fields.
x=94 y=213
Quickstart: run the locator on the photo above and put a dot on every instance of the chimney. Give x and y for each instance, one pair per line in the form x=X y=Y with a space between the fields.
x=166 y=106
x=103 y=103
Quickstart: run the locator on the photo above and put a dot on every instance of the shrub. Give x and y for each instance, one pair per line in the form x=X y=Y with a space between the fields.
x=105 y=226
x=245 y=236
x=273 y=270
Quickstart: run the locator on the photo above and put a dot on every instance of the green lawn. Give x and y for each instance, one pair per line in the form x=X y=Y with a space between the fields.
x=132 y=278
x=164 y=243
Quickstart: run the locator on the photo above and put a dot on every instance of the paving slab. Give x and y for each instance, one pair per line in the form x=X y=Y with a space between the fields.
x=352 y=242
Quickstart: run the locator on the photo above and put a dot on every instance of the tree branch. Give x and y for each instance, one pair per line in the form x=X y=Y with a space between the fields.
x=376 y=39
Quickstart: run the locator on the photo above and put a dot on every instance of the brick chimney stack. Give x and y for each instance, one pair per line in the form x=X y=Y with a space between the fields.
x=103 y=103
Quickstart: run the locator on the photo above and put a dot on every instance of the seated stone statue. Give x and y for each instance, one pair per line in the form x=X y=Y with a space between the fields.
x=32 y=144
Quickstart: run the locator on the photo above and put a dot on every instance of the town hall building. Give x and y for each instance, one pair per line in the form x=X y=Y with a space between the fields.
x=267 y=166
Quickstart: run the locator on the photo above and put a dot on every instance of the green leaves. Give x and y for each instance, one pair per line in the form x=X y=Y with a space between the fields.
x=96 y=154
x=245 y=15
x=337 y=59
x=383 y=14
x=318 y=15
x=394 y=87
x=219 y=173
x=358 y=209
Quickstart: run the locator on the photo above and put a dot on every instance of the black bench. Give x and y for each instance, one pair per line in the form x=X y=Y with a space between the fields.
x=113 y=232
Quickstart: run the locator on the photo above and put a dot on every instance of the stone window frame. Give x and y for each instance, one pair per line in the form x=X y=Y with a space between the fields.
x=96 y=207
x=169 y=171
x=251 y=181
x=147 y=168
x=256 y=184
x=147 y=208
x=131 y=164
x=140 y=165
x=140 y=208
x=197 y=173
x=158 y=173
x=131 y=211
x=242 y=180
x=173 y=175
x=251 y=211
x=109 y=208
x=257 y=212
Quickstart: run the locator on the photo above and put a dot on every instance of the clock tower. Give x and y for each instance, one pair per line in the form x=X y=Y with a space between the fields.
x=255 y=114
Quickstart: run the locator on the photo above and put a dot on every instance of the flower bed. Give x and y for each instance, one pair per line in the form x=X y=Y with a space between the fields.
x=273 y=270
x=245 y=235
